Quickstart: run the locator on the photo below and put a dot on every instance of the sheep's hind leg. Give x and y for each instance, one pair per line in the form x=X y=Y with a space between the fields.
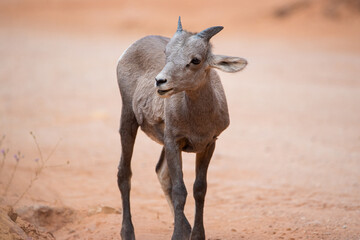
x=128 y=130
x=200 y=185
x=162 y=171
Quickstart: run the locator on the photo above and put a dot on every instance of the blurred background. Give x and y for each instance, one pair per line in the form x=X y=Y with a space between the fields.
x=288 y=167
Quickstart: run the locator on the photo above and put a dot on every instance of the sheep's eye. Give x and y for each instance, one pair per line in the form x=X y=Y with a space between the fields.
x=195 y=61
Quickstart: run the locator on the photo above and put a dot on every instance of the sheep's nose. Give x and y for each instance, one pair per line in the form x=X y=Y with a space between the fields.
x=160 y=81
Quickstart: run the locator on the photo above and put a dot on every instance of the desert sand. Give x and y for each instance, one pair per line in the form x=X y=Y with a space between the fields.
x=288 y=167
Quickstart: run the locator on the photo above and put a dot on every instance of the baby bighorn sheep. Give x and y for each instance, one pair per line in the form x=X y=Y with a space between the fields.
x=170 y=89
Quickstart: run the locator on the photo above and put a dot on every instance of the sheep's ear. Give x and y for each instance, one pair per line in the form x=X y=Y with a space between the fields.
x=227 y=64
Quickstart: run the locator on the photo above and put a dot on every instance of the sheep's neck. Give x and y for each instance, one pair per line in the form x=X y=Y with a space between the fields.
x=200 y=100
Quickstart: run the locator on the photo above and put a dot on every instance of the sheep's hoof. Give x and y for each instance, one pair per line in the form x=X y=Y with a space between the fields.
x=182 y=232
x=198 y=234
x=127 y=233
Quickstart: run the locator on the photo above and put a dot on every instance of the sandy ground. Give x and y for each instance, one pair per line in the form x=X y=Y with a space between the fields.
x=288 y=167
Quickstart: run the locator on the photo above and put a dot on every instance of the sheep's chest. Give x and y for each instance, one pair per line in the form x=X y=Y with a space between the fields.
x=196 y=143
x=196 y=134
x=195 y=124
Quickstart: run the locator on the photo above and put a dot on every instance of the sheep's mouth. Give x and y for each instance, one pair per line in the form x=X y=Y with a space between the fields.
x=162 y=92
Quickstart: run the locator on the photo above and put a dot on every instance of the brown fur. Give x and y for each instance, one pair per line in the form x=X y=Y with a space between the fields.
x=185 y=110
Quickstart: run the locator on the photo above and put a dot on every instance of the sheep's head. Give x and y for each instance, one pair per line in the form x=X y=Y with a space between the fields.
x=188 y=60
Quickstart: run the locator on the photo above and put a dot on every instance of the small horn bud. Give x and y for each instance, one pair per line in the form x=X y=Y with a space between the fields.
x=179 y=28
x=209 y=32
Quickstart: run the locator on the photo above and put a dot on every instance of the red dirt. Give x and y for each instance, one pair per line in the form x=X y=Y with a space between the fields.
x=288 y=167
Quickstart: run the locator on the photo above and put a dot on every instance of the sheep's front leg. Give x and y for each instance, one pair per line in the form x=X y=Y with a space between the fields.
x=200 y=185
x=182 y=228
x=128 y=130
